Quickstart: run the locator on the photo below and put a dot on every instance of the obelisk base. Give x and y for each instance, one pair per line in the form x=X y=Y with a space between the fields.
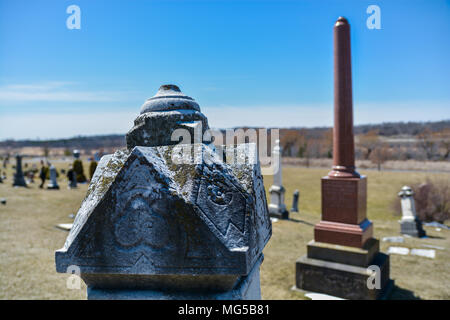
x=342 y=271
x=352 y=235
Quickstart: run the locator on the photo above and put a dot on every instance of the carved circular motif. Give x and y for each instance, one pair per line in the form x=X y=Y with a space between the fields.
x=141 y=224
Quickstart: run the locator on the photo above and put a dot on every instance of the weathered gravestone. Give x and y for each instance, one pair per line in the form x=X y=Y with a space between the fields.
x=410 y=223
x=277 y=208
x=344 y=257
x=295 y=197
x=151 y=228
x=72 y=176
x=19 y=179
x=53 y=185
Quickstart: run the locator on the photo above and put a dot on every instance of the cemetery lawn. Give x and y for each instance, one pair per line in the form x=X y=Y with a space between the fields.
x=28 y=237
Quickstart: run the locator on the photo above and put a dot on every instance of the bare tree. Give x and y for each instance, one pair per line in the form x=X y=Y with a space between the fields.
x=368 y=142
x=380 y=155
x=427 y=143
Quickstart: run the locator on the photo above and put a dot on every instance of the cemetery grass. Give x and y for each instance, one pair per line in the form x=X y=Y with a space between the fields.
x=28 y=238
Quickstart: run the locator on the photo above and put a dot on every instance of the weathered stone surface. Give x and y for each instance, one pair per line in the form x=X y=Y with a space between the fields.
x=155 y=211
x=171 y=221
x=246 y=288
x=147 y=216
x=162 y=114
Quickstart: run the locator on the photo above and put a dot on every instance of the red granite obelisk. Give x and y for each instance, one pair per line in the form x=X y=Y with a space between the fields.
x=344 y=219
x=343 y=250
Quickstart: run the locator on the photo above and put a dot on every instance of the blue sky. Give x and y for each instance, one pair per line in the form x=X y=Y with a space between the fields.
x=267 y=63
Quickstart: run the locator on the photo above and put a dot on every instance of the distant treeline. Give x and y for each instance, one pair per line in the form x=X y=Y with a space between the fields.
x=375 y=142
x=79 y=142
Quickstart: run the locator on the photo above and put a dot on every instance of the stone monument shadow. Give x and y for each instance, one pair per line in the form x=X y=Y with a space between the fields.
x=399 y=293
x=433 y=237
x=301 y=221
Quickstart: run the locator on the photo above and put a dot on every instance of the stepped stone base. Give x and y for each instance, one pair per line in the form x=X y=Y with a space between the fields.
x=343 y=271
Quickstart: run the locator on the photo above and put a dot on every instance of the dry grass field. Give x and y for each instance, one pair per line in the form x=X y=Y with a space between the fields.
x=28 y=238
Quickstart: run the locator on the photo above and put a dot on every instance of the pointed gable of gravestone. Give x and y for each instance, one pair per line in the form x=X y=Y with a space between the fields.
x=144 y=215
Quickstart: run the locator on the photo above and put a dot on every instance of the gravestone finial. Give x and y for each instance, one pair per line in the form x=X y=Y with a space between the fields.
x=152 y=228
x=160 y=117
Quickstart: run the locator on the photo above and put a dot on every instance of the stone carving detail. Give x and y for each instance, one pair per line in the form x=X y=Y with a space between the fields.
x=148 y=222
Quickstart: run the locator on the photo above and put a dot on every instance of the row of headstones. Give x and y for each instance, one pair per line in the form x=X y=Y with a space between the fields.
x=410 y=224
x=19 y=179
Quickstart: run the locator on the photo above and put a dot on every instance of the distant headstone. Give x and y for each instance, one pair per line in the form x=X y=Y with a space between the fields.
x=152 y=228
x=53 y=185
x=71 y=175
x=410 y=223
x=295 y=198
x=277 y=208
x=3 y=201
x=19 y=179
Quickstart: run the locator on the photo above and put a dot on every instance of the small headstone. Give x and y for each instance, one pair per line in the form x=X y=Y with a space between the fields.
x=295 y=199
x=410 y=223
x=3 y=201
x=53 y=185
x=19 y=179
x=72 y=176
x=277 y=208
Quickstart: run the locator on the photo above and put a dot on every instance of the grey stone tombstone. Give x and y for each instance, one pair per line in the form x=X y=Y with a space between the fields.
x=19 y=179
x=151 y=227
x=295 y=199
x=53 y=184
x=76 y=154
x=410 y=223
x=277 y=208
x=73 y=182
